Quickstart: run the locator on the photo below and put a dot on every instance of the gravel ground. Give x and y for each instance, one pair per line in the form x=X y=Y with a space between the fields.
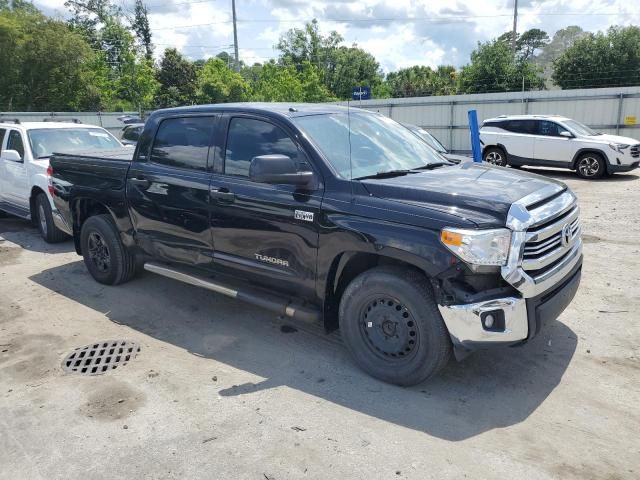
x=218 y=390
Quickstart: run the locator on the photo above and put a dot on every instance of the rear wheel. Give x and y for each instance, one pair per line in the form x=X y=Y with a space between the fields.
x=105 y=256
x=392 y=326
x=590 y=166
x=495 y=156
x=44 y=221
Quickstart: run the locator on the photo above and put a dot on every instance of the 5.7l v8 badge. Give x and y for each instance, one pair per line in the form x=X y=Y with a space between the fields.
x=304 y=216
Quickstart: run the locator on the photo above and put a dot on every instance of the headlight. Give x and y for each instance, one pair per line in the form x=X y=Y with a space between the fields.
x=619 y=147
x=478 y=247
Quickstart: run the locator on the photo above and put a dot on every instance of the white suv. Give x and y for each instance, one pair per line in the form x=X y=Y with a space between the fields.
x=555 y=141
x=25 y=149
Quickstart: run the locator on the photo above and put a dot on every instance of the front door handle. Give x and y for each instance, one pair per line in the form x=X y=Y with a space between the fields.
x=140 y=182
x=222 y=195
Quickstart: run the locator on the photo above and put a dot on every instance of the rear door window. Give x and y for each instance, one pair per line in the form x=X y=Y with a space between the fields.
x=2 y=132
x=183 y=142
x=15 y=142
x=521 y=126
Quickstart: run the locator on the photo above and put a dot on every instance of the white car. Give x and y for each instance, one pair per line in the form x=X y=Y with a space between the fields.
x=25 y=149
x=555 y=141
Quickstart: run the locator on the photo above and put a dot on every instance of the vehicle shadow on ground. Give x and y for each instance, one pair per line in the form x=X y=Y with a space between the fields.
x=489 y=390
x=570 y=175
x=23 y=233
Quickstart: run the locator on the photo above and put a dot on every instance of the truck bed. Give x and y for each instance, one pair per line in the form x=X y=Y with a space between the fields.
x=101 y=175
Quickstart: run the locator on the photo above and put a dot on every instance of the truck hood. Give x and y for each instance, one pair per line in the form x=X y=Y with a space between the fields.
x=476 y=192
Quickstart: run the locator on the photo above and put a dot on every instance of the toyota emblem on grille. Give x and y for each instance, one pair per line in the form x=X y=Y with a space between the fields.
x=566 y=235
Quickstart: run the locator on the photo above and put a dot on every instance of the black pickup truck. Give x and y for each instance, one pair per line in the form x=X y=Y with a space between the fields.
x=327 y=214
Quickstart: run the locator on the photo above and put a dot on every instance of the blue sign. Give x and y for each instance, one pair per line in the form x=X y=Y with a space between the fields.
x=361 y=93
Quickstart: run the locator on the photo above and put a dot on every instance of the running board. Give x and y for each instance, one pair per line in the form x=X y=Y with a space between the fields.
x=276 y=304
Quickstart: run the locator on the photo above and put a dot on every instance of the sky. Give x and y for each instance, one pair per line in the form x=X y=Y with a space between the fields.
x=399 y=33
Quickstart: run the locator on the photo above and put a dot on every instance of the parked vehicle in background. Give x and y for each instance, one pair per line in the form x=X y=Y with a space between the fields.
x=436 y=145
x=555 y=141
x=131 y=133
x=25 y=149
x=323 y=213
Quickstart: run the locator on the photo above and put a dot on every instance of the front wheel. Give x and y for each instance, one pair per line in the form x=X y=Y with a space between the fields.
x=391 y=324
x=105 y=256
x=495 y=156
x=590 y=166
x=45 y=223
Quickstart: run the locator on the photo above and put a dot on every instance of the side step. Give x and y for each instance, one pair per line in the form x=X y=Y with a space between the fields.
x=276 y=304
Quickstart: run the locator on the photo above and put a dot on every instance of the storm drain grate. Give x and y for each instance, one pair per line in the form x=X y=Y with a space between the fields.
x=100 y=357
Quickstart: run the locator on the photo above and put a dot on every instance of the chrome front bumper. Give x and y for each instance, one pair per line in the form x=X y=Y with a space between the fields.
x=465 y=322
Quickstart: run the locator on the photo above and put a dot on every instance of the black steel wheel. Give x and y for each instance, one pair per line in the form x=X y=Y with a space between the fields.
x=392 y=327
x=389 y=328
x=105 y=256
x=99 y=252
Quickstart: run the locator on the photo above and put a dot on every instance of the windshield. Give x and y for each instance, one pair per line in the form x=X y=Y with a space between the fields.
x=378 y=144
x=578 y=128
x=430 y=139
x=46 y=141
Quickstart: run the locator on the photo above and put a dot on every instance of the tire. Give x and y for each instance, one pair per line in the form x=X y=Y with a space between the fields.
x=392 y=327
x=107 y=259
x=495 y=156
x=43 y=217
x=591 y=166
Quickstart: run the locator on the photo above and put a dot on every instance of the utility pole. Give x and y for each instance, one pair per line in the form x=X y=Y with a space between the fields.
x=515 y=27
x=235 y=35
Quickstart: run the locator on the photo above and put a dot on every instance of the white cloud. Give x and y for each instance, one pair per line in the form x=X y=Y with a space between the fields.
x=433 y=32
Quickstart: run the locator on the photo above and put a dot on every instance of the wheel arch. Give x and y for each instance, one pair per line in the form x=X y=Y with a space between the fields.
x=496 y=145
x=348 y=265
x=591 y=150
x=82 y=209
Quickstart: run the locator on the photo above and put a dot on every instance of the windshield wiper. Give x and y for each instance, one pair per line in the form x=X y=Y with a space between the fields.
x=387 y=174
x=42 y=157
x=431 y=166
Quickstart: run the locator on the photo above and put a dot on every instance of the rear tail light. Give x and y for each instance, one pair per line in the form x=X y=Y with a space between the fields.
x=50 y=180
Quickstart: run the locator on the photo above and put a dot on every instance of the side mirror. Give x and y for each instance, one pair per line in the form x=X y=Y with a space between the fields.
x=566 y=134
x=278 y=169
x=11 y=156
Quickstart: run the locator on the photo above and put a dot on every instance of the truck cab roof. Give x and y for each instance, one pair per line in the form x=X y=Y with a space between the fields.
x=287 y=109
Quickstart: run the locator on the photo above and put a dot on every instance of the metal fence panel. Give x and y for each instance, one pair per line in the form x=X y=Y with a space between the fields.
x=446 y=117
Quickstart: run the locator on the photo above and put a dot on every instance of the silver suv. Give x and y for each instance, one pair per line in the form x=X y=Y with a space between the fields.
x=555 y=141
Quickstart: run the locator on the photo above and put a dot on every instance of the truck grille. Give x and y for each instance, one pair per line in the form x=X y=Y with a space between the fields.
x=550 y=241
x=635 y=151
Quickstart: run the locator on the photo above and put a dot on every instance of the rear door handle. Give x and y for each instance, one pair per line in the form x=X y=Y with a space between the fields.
x=222 y=195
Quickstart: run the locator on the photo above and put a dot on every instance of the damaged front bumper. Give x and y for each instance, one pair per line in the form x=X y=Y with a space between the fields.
x=509 y=320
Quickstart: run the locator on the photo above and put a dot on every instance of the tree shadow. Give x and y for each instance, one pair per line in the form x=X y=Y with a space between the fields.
x=489 y=390
x=23 y=233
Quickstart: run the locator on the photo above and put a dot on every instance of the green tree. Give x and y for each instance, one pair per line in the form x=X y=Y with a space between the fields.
x=277 y=83
x=421 y=80
x=530 y=41
x=340 y=68
x=610 y=59
x=493 y=69
x=140 y=25
x=44 y=63
x=177 y=79
x=216 y=83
